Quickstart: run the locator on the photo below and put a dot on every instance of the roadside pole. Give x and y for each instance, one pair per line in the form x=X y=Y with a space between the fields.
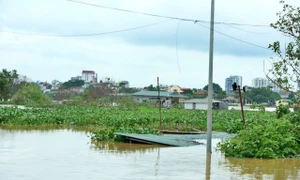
x=210 y=79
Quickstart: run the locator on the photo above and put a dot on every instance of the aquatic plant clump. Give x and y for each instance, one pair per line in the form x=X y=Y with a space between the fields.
x=118 y=117
x=265 y=139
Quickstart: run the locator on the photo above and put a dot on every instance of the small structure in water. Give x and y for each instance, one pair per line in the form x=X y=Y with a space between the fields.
x=172 y=139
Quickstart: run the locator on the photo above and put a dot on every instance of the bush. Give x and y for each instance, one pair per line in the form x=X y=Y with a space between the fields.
x=31 y=95
x=266 y=139
x=282 y=110
x=262 y=108
x=253 y=105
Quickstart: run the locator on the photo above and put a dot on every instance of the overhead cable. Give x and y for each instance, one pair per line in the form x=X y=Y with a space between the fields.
x=232 y=37
x=83 y=35
x=167 y=17
x=232 y=26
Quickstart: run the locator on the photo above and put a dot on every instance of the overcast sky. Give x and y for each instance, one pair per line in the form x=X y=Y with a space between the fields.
x=142 y=54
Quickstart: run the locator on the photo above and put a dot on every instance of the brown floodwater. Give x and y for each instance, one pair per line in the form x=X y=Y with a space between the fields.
x=65 y=154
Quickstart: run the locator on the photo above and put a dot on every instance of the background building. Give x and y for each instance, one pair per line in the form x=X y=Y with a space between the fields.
x=264 y=82
x=260 y=82
x=230 y=80
x=89 y=76
x=175 y=88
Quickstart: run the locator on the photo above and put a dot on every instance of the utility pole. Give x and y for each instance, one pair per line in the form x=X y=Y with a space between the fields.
x=159 y=107
x=210 y=78
x=241 y=103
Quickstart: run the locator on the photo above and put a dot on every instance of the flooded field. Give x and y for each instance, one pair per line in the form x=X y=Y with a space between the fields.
x=68 y=154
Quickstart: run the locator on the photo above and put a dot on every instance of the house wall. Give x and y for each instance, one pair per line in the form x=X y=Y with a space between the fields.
x=141 y=99
x=88 y=76
x=175 y=89
x=199 y=106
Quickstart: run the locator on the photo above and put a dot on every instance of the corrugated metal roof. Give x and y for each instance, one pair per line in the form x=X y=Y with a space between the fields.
x=199 y=101
x=174 y=140
x=155 y=94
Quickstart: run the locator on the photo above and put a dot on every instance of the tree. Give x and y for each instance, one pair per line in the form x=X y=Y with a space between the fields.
x=291 y=96
x=94 y=93
x=261 y=95
x=73 y=83
x=7 y=82
x=216 y=88
x=285 y=70
x=188 y=91
x=221 y=95
x=32 y=95
x=128 y=90
x=151 y=88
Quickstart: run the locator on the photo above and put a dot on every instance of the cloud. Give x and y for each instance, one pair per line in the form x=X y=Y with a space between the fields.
x=139 y=55
x=73 y=18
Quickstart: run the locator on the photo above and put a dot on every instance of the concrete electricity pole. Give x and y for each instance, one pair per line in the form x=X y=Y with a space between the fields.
x=210 y=78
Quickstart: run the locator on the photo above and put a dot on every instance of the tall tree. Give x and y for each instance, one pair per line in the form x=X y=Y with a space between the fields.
x=216 y=88
x=261 y=95
x=31 y=94
x=7 y=83
x=285 y=70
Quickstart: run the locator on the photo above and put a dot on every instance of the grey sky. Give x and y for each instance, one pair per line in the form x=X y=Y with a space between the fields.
x=141 y=55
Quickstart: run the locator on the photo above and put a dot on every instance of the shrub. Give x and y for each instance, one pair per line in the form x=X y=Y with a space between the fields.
x=282 y=110
x=266 y=139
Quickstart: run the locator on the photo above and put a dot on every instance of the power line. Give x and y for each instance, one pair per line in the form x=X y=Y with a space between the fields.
x=247 y=30
x=136 y=12
x=237 y=39
x=83 y=35
x=177 y=46
x=167 y=17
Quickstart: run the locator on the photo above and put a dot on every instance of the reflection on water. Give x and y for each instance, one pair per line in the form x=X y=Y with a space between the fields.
x=157 y=162
x=68 y=154
x=123 y=148
x=208 y=166
x=261 y=169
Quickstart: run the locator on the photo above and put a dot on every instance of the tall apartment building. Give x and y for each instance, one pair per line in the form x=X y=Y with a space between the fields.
x=89 y=76
x=230 y=80
x=260 y=82
x=264 y=82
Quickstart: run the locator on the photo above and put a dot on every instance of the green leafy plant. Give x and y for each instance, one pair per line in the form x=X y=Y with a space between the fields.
x=264 y=139
x=282 y=110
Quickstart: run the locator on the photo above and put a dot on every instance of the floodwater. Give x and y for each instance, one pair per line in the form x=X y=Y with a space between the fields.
x=66 y=154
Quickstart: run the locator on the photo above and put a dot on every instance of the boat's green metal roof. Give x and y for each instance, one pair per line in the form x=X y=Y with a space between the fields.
x=155 y=94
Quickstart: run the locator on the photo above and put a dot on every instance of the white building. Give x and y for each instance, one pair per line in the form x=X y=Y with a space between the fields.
x=202 y=104
x=260 y=82
x=89 y=76
x=230 y=80
x=264 y=82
